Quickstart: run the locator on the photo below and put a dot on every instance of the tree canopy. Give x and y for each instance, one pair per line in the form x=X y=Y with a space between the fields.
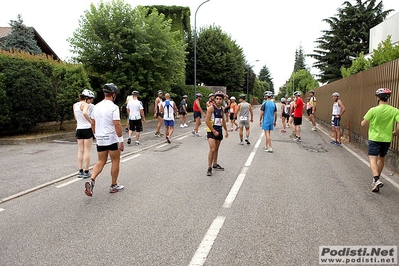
x=348 y=36
x=22 y=38
x=220 y=61
x=266 y=76
x=134 y=48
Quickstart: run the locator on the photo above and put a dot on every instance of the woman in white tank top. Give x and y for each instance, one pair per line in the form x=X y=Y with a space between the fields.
x=84 y=133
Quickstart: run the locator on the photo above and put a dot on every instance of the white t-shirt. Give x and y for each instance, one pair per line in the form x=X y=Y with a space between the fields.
x=104 y=114
x=81 y=121
x=134 y=107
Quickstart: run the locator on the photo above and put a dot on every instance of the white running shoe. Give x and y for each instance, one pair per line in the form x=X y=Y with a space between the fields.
x=377 y=185
x=116 y=188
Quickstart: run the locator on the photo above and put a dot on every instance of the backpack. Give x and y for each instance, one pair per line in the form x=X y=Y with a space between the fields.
x=167 y=104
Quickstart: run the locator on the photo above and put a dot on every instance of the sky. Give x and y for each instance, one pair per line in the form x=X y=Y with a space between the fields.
x=268 y=31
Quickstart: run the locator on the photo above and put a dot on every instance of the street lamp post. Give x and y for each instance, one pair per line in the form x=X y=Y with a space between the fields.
x=249 y=67
x=195 y=48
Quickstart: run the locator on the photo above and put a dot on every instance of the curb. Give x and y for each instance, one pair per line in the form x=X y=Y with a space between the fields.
x=30 y=140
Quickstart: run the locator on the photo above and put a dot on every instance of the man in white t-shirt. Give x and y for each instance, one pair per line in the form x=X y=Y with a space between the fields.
x=107 y=128
x=135 y=111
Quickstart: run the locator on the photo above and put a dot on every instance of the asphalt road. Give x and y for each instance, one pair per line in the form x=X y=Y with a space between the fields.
x=264 y=209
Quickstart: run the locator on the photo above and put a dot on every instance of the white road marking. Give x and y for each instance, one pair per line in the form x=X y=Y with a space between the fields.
x=206 y=244
x=68 y=183
x=1 y=209
x=182 y=137
x=163 y=145
x=234 y=191
x=129 y=158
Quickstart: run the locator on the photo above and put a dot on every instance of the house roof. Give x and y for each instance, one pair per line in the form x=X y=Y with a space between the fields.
x=5 y=31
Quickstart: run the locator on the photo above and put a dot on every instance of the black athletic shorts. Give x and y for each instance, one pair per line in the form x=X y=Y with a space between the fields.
x=197 y=114
x=112 y=147
x=136 y=125
x=298 y=121
x=86 y=133
x=210 y=135
x=377 y=148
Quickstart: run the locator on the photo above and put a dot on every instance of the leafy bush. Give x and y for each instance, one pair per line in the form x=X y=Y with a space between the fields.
x=36 y=89
x=385 y=52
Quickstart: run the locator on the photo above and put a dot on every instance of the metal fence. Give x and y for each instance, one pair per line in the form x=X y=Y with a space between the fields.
x=357 y=93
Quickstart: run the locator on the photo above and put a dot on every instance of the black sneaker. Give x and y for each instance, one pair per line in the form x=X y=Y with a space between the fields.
x=247 y=141
x=209 y=172
x=218 y=167
x=127 y=130
x=129 y=140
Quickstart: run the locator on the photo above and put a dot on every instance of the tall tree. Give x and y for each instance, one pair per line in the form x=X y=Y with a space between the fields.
x=220 y=61
x=301 y=80
x=133 y=48
x=266 y=76
x=299 y=60
x=22 y=38
x=348 y=36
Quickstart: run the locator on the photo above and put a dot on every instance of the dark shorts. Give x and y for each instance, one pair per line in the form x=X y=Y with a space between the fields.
x=112 y=147
x=232 y=116
x=197 y=114
x=336 y=121
x=86 y=133
x=210 y=135
x=376 y=148
x=159 y=115
x=298 y=121
x=309 y=111
x=182 y=113
x=226 y=109
x=136 y=125
x=285 y=115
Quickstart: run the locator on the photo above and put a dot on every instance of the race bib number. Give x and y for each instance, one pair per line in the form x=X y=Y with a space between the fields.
x=243 y=118
x=218 y=121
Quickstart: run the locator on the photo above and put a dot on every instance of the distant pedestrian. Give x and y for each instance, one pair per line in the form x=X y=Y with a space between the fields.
x=312 y=111
x=268 y=119
x=183 y=112
x=298 y=113
x=233 y=110
x=291 y=118
x=226 y=107
x=284 y=115
x=211 y=98
x=215 y=122
x=124 y=109
x=197 y=114
x=246 y=116
x=135 y=111
x=338 y=110
x=380 y=120
x=84 y=133
x=157 y=114
x=107 y=128
x=168 y=109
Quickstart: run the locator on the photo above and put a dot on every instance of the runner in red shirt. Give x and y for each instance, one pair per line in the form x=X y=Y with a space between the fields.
x=298 y=104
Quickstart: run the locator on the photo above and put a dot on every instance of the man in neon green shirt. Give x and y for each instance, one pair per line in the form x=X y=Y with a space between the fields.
x=381 y=120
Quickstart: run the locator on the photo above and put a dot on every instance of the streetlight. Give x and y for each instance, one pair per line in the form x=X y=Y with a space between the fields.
x=249 y=66
x=195 y=48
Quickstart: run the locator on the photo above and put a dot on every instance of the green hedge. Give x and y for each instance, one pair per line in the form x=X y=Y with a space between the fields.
x=37 y=89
